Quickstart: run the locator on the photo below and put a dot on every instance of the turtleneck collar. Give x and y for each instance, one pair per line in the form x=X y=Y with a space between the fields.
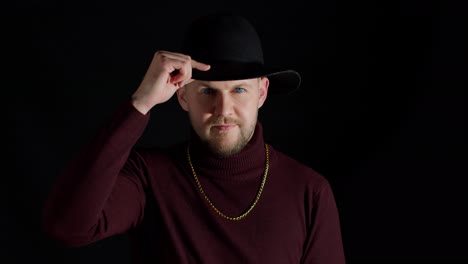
x=248 y=163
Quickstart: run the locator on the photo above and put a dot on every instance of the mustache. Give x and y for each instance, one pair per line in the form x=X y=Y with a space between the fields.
x=223 y=121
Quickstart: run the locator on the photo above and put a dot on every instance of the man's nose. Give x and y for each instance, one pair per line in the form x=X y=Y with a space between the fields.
x=223 y=105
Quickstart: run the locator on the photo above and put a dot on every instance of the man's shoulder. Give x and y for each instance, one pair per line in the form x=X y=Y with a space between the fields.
x=174 y=151
x=285 y=157
x=287 y=162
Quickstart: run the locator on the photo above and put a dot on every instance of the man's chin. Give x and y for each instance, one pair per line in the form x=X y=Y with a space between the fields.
x=224 y=148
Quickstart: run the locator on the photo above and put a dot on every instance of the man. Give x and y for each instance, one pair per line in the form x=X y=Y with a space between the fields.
x=225 y=195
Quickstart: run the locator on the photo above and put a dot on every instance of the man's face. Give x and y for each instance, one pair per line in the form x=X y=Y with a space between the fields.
x=224 y=113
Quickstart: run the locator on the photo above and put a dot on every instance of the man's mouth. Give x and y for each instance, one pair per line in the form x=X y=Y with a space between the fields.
x=224 y=127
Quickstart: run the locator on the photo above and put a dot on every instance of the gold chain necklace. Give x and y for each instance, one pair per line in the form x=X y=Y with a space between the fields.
x=257 y=197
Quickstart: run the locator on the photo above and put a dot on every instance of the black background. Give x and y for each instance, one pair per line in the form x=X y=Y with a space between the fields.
x=380 y=113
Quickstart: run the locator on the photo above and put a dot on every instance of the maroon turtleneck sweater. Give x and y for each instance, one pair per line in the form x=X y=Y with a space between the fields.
x=113 y=188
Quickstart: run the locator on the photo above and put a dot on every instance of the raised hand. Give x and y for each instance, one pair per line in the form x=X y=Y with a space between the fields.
x=167 y=72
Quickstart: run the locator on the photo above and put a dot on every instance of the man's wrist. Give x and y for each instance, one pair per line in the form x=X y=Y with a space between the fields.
x=140 y=106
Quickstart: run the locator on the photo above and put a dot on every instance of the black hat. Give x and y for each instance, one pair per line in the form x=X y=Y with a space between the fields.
x=231 y=45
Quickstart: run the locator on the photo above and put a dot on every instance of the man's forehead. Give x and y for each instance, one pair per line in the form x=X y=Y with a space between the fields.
x=220 y=84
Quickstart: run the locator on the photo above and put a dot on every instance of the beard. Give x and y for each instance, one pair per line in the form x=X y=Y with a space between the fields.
x=221 y=144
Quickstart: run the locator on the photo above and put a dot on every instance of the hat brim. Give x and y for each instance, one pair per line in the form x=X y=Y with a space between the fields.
x=281 y=81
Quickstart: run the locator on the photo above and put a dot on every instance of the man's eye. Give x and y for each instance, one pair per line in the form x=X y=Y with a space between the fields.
x=207 y=90
x=239 y=90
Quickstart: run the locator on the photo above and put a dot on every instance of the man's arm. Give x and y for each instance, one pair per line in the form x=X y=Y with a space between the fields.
x=99 y=193
x=324 y=242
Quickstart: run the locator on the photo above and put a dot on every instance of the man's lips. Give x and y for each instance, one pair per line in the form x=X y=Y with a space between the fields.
x=224 y=127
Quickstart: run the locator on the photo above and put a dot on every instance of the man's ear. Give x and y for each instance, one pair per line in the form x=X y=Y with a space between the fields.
x=181 y=94
x=264 y=83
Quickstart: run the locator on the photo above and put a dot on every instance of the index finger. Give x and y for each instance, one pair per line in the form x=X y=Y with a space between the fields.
x=199 y=65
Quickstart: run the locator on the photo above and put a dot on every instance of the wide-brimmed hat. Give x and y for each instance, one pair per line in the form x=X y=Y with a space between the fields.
x=232 y=46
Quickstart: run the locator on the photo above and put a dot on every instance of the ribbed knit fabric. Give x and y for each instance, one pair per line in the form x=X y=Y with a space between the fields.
x=150 y=194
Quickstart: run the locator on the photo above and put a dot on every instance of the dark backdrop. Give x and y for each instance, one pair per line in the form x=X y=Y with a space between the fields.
x=380 y=113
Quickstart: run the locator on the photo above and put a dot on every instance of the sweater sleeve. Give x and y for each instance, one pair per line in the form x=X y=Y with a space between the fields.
x=324 y=242
x=101 y=190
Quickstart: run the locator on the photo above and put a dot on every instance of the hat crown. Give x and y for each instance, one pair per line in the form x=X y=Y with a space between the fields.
x=230 y=44
x=221 y=38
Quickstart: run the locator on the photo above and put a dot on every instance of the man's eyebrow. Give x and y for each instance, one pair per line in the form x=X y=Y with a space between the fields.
x=242 y=84
x=201 y=83
x=239 y=84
